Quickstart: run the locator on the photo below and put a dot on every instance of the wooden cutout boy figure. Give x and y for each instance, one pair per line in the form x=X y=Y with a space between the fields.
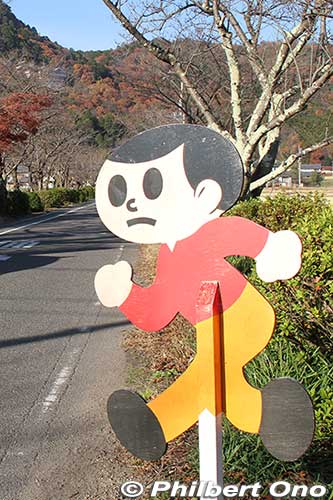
x=170 y=185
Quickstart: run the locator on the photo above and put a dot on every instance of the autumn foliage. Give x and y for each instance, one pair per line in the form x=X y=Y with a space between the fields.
x=20 y=116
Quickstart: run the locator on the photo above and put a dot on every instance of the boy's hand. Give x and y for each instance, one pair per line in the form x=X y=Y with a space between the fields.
x=281 y=257
x=113 y=283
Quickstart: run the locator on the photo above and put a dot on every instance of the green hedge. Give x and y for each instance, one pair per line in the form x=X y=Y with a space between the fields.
x=35 y=202
x=22 y=203
x=303 y=304
x=60 y=197
x=17 y=203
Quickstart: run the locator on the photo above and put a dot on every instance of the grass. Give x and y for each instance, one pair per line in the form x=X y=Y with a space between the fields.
x=326 y=189
x=245 y=458
x=328 y=182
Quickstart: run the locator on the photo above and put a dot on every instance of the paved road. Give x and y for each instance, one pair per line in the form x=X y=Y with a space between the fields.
x=60 y=355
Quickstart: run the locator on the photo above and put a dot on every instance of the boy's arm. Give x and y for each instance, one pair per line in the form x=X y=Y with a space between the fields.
x=281 y=257
x=148 y=308
x=277 y=255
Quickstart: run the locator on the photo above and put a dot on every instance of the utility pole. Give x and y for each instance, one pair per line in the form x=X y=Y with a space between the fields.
x=299 y=168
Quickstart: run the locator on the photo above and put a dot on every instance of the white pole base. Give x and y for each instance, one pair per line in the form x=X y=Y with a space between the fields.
x=210 y=450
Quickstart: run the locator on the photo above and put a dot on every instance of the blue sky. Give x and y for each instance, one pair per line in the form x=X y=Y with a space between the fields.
x=80 y=24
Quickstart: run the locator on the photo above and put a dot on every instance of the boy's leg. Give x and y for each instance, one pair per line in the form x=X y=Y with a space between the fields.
x=282 y=411
x=247 y=328
x=144 y=429
x=198 y=388
x=176 y=408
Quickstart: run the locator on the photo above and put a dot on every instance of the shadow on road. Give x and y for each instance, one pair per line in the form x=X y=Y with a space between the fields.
x=76 y=232
x=61 y=333
x=29 y=262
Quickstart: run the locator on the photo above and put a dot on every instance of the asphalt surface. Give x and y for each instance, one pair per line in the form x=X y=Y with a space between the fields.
x=60 y=356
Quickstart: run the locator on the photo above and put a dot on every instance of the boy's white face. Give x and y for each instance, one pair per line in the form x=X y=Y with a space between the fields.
x=153 y=202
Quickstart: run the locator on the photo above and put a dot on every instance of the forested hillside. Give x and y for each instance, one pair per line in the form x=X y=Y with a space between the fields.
x=15 y=35
x=94 y=99
x=98 y=83
x=97 y=98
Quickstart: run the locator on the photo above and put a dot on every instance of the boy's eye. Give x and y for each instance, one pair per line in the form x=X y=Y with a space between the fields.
x=117 y=190
x=152 y=183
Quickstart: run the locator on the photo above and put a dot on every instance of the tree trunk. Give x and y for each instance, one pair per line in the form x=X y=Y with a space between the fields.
x=15 y=179
x=3 y=189
x=264 y=167
x=3 y=196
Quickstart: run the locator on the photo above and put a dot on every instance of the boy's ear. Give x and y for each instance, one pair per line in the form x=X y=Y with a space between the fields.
x=208 y=194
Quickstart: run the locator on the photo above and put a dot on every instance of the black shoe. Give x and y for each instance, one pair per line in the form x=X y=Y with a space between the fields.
x=135 y=425
x=287 y=424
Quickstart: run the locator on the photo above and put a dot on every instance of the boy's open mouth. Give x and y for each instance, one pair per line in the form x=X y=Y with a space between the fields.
x=141 y=220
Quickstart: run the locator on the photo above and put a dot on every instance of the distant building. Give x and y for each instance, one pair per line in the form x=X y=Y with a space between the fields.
x=23 y=178
x=50 y=182
x=285 y=179
x=308 y=169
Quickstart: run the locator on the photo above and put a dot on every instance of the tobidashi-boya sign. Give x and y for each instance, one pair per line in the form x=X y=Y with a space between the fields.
x=171 y=185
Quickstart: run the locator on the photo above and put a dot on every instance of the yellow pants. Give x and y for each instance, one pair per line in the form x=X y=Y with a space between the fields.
x=208 y=383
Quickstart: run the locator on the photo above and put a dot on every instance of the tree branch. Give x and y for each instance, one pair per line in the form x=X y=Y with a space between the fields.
x=292 y=110
x=167 y=56
x=286 y=164
x=254 y=58
x=284 y=59
x=234 y=73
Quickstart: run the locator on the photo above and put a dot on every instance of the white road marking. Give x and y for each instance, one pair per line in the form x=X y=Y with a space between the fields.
x=61 y=379
x=45 y=219
x=30 y=244
x=18 y=244
x=4 y=258
x=10 y=244
x=120 y=252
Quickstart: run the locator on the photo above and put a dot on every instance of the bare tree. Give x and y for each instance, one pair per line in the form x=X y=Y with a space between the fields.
x=53 y=149
x=25 y=102
x=277 y=55
x=83 y=167
x=52 y=152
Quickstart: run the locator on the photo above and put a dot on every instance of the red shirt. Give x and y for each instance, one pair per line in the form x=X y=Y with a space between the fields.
x=200 y=257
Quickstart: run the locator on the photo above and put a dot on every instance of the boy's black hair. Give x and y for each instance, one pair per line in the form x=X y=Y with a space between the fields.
x=207 y=155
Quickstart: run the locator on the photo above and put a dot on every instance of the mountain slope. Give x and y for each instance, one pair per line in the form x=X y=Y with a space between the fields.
x=17 y=36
